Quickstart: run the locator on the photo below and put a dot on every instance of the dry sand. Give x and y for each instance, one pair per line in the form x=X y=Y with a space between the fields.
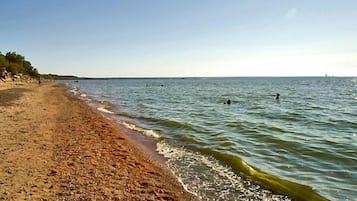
x=55 y=147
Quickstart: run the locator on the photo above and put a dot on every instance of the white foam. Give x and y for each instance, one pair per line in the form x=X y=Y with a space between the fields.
x=104 y=110
x=83 y=95
x=207 y=178
x=151 y=133
x=75 y=90
x=146 y=132
x=130 y=126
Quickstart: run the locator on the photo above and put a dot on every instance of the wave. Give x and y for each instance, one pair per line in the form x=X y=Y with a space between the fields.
x=147 y=132
x=162 y=122
x=168 y=123
x=74 y=90
x=207 y=178
x=102 y=109
x=274 y=183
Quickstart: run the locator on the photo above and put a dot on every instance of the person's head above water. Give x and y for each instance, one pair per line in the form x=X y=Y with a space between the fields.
x=277 y=96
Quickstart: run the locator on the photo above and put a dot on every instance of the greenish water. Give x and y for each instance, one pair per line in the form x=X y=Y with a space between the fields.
x=303 y=145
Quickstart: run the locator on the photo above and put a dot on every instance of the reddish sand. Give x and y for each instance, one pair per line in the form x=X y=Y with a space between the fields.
x=55 y=147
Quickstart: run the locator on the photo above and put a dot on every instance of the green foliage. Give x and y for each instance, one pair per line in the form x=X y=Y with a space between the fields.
x=16 y=63
x=3 y=61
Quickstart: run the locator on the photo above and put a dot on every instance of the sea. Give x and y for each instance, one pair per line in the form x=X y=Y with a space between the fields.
x=300 y=147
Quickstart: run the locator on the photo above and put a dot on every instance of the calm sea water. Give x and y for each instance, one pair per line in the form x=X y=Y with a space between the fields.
x=242 y=151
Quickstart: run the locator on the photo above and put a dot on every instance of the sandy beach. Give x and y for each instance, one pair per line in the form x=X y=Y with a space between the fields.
x=55 y=147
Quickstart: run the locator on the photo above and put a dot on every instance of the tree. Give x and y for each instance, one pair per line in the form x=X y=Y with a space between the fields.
x=3 y=61
x=16 y=63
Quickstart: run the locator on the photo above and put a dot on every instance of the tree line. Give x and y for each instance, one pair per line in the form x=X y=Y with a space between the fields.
x=15 y=63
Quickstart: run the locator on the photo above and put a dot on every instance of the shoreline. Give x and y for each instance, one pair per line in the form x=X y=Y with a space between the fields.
x=277 y=188
x=144 y=142
x=253 y=178
x=57 y=147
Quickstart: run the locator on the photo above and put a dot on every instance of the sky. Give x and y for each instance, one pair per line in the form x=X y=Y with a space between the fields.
x=183 y=38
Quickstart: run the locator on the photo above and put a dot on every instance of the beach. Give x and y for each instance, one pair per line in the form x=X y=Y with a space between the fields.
x=55 y=147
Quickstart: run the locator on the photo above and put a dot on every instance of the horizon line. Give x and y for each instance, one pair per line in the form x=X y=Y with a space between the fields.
x=183 y=77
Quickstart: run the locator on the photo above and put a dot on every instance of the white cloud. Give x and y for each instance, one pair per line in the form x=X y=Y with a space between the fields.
x=291 y=14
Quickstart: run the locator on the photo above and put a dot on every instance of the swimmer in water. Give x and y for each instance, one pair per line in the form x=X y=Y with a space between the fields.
x=228 y=102
x=277 y=96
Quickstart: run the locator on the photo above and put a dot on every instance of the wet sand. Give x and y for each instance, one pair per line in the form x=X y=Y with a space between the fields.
x=55 y=147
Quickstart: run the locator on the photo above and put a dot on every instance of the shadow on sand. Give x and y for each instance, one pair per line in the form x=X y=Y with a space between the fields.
x=8 y=96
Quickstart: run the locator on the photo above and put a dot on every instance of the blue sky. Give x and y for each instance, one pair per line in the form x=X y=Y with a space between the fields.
x=137 y=38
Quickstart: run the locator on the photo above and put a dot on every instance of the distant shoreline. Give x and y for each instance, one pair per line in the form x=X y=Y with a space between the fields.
x=71 y=77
